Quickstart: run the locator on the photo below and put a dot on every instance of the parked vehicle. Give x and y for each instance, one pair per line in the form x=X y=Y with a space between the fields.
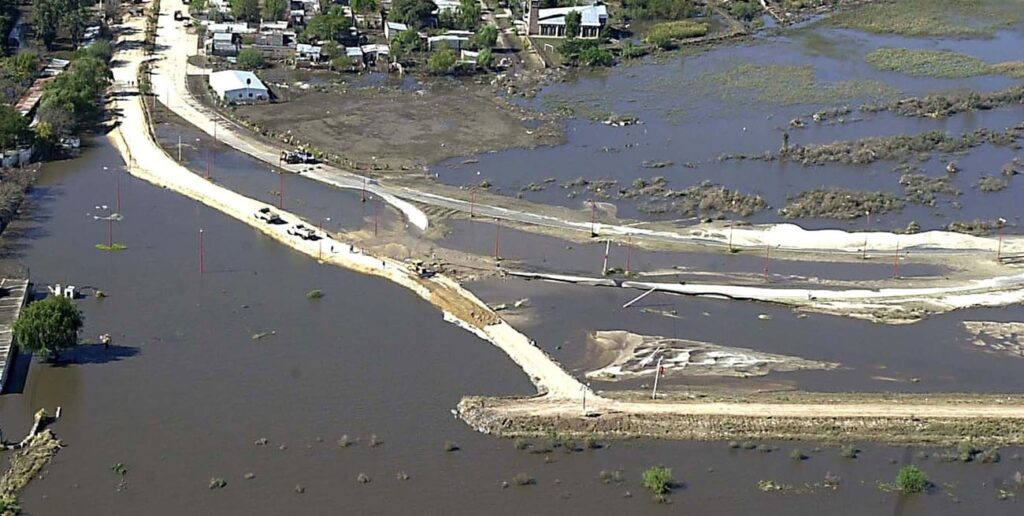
x=267 y=215
x=301 y=231
x=297 y=156
x=178 y=16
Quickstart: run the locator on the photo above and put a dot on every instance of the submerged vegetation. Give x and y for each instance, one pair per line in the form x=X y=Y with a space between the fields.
x=839 y=203
x=941 y=105
x=899 y=148
x=785 y=85
x=664 y=35
x=951 y=18
x=939 y=63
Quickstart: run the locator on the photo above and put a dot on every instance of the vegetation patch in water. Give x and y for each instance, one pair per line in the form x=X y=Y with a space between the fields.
x=665 y=34
x=900 y=148
x=786 y=85
x=839 y=203
x=941 y=105
x=950 y=18
x=938 y=63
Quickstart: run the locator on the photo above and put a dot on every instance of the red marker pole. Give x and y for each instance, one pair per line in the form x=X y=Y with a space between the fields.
x=629 y=252
x=472 y=202
x=202 y=254
x=999 y=250
x=896 y=262
x=497 y=239
x=593 y=219
x=767 y=255
x=363 y=195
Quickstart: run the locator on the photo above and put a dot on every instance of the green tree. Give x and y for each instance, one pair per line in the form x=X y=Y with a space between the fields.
x=197 y=6
x=46 y=19
x=251 y=59
x=485 y=58
x=275 y=9
x=468 y=15
x=21 y=67
x=487 y=37
x=13 y=128
x=573 y=22
x=442 y=61
x=596 y=56
x=73 y=20
x=415 y=13
x=48 y=326
x=658 y=479
x=329 y=26
x=911 y=480
x=245 y=10
x=745 y=11
x=363 y=7
x=330 y=50
x=404 y=43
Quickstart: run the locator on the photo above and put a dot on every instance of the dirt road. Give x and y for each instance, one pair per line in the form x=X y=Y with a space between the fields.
x=148 y=161
x=169 y=83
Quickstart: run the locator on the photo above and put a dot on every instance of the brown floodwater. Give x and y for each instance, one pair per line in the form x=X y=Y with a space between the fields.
x=185 y=390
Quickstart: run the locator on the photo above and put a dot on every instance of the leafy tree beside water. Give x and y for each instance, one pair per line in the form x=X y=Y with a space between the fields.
x=442 y=61
x=13 y=128
x=48 y=326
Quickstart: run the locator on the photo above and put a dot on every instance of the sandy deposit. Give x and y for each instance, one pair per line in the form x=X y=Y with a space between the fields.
x=998 y=337
x=632 y=355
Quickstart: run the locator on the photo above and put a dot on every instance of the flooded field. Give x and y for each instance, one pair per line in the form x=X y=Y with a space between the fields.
x=189 y=387
x=740 y=99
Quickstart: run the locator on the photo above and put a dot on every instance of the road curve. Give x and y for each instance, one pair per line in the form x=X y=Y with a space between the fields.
x=169 y=85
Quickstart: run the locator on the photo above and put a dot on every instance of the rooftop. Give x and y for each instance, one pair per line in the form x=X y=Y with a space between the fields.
x=589 y=14
x=228 y=80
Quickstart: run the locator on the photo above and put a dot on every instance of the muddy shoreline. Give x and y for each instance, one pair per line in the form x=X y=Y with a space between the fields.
x=487 y=415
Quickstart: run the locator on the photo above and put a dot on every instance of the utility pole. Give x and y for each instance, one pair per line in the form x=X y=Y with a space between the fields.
x=584 y=389
x=604 y=267
x=864 y=251
x=731 y=224
x=657 y=373
x=202 y=254
x=593 y=218
x=179 y=148
x=497 y=239
x=280 y=191
x=999 y=249
x=629 y=252
x=767 y=255
x=375 y=218
x=896 y=262
x=362 y=197
x=472 y=202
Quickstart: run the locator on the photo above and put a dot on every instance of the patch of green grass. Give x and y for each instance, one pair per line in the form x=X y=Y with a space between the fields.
x=113 y=247
x=919 y=18
x=663 y=34
x=786 y=85
x=939 y=63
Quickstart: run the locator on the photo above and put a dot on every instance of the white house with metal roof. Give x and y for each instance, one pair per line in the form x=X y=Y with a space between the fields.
x=551 y=22
x=236 y=86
